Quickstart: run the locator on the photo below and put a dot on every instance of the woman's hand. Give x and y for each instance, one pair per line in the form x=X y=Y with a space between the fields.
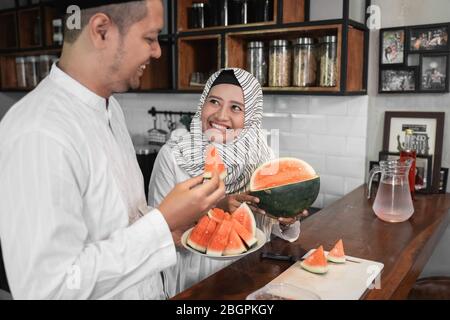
x=285 y=223
x=231 y=202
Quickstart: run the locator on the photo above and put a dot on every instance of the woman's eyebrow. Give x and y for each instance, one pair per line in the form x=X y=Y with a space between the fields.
x=215 y=97
x=237 y=102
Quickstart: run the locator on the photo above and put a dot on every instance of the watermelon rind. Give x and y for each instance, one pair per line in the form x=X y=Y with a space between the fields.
x=195 y=246
x=314 y=269
x=289 y=200
x=334 y=259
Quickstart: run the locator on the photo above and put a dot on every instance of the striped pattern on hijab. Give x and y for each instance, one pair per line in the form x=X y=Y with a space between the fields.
x=241 y=156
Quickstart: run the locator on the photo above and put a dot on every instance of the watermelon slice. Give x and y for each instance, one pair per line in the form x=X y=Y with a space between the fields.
x=213 y=163
x=337 y=254
x=244 y=216
x=245 y=235
x=235 y=245
x=217 y=214
x=316 y=262
x=209 y=232
x=219 y=240
x=195 y=237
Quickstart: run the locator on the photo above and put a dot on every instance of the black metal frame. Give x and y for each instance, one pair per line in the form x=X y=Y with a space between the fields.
x=427 y=55
x=382 y=155
x=409 y=52
x=405 y=55
x=174 y=35
x=398 y=68
x=154 y=112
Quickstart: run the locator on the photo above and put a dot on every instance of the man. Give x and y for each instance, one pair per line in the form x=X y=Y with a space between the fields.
x=73 y=217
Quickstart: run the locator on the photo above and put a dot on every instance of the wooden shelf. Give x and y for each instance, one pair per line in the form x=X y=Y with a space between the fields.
x=8 y=75
x=158 y=74
x=8 y=34
x=197 y=54
x=30 y=30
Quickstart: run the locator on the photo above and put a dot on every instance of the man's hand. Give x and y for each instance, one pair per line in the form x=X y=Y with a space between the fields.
x=231 y=202
x=285 y=223
x=191 y=199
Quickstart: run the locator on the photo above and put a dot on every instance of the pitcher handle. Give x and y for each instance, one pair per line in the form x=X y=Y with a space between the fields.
x=372 y=173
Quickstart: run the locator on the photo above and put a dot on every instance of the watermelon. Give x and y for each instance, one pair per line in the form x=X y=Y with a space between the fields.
x=316 y=262
x=235 y=245
x=285 y=187
x=245 y=235
x=217 y=214
x=207 y=235
x=197 y=233
x=337 y=254
x=219 y=240
x=213 y=163
x=244 y=216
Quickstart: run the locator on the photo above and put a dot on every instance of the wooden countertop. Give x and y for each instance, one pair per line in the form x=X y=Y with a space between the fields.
x=404 y=248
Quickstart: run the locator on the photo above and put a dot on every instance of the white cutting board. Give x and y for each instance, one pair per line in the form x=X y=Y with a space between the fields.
x=346 y=281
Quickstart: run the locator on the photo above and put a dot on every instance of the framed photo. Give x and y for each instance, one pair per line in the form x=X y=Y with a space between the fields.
x=428 y=128
x=434 y=73
x=392 y=46
x=443 y=180
x=429 y=38
x=397 y=80
x=423 y=170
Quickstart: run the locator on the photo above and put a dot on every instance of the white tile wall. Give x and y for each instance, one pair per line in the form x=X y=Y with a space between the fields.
x=327 y=132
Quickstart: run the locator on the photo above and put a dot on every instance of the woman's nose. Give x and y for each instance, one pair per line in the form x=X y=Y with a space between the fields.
x=223 y=113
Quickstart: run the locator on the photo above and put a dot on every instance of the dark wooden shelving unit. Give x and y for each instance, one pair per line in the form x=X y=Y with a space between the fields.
x=185 y=51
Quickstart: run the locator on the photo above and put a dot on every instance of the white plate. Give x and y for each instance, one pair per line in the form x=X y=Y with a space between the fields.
x=260 y=236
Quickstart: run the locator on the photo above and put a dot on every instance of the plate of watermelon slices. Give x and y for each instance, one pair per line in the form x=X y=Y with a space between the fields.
x=223 y=236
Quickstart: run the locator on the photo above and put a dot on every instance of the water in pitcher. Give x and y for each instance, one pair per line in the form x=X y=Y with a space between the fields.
x=393 y=201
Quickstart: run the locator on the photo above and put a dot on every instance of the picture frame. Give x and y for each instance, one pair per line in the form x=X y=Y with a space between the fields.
x=393 y=46
x=428 y=128
x=443 y=180
x=429 y=38
x=424 y=169
x=434 y=73
x=398 y=80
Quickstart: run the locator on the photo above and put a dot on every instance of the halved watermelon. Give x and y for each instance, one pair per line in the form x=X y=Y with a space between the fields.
x=195 y=237
x=285 y=187
x=213 y=162
x=337 y=254
x=316 y=262
x=217 y=214
x=219 y=240
x=235 y=244
x=245 y=235
x=244 y=216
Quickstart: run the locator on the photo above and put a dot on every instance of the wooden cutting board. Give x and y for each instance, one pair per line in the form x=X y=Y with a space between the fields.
x=348 y=281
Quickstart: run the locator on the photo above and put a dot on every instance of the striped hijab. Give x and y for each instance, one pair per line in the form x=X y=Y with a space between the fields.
x=241 y=156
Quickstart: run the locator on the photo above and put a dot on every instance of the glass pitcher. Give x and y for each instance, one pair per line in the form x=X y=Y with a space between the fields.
x=393 y=202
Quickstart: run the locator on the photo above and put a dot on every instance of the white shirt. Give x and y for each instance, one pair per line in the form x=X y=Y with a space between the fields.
x=70 y=184
x=192 y=268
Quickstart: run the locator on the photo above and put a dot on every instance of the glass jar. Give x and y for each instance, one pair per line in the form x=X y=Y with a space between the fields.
x=57 y=32
x=328 y=61
x=304 y=73
x=257 y=61
x=21 y=72
x=280 y=57
x=217 y=13
x=44 y=66
x=32 y=75
x=238 y=12
x=197 y=16
x=260 y=10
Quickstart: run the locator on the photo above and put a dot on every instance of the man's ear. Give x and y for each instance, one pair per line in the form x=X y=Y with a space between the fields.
x=100 y=27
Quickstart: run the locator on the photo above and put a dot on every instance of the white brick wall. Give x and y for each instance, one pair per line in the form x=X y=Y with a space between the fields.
x=327 y=132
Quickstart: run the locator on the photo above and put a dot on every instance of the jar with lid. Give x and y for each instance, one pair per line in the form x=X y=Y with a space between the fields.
x=328 y=61
x=217 y=12
x=32 y=73
x=21 y=72
x=280 y=56
x=57 y=32
x=304 y=72
x=257 y=61
x=197 y=16
x=238 y=12
x=260 y=10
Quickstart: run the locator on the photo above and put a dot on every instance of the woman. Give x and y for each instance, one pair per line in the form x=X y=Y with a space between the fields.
x=229 y=115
